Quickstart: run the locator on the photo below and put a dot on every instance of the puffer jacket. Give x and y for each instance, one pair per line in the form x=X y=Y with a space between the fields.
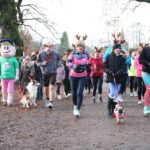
x=115 y=67
x=144 y=59
x=60 y=76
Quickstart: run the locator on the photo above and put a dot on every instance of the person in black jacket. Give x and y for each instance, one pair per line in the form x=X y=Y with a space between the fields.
x=144 y=59
x=67 y=86
x=38 y=77
x=114 y=66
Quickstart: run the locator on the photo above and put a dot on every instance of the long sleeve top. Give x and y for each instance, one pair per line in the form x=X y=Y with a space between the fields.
x=138 y=67
x=97 y=67
x=78 y=59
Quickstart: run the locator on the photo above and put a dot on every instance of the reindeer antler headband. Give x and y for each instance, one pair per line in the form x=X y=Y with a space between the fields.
x=117 y=38
x=98 y=49
x=80 y=40
x=78 y=37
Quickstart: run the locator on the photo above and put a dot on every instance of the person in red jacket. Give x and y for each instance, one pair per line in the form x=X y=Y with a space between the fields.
x=97 y=74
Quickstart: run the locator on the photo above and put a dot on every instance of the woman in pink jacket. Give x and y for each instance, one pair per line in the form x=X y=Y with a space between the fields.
x=138 y=74
x=77 y=62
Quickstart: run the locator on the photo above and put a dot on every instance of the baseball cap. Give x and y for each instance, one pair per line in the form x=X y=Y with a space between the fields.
x=48 y=43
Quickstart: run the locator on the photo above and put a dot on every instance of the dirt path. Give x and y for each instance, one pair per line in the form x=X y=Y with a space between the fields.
x=42 y=129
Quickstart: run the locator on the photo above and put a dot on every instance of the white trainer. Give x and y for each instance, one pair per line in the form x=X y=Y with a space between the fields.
x=76 y=112
x=69 y=94
x=50 y=104
x=135 y=93
x=131 y=94
x=74 y=109
x=59 y=96
x=140 y=102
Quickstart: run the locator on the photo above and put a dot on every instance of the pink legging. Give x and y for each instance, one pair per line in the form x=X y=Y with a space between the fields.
x=7 y=86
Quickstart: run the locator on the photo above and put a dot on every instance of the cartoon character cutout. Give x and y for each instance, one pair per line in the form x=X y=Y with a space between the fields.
x=9 y=70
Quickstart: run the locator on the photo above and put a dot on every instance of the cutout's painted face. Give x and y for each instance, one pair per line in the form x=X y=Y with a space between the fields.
x=8 y=50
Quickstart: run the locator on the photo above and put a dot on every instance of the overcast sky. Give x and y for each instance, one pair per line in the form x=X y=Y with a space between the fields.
x=87 y=17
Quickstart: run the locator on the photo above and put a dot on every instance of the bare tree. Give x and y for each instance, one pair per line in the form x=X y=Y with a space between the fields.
x=34 y=13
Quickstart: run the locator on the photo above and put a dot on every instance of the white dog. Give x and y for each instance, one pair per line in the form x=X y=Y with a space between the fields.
x=119 y=114
x=29 y=94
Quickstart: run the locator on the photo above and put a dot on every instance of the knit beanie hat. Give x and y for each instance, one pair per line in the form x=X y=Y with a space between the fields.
x=117 y=47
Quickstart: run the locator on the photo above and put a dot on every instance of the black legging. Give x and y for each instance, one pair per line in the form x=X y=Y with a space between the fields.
x=141 y=87
x=58 y=85
x=88 y=84
x=95 y=81
x=123 y=84
x=133 y=84
x=67 y=87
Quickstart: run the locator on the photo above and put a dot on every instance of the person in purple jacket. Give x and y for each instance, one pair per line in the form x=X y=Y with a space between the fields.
x=60 y=76
x=77 y=62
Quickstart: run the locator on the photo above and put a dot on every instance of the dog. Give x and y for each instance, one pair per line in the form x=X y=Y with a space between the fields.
x=119 y=114
x=29 y=94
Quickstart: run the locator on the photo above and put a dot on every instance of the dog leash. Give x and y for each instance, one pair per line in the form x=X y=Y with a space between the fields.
x=116 y=88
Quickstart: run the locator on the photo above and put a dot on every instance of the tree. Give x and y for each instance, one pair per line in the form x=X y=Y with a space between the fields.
x=64 y=43
x=9 y=10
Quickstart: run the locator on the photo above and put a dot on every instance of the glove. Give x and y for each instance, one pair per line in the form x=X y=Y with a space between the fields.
x=17 y=75
x=16 y=79
x=110 y=72
x=105 y=77
x=44 y=63
x=74 y=66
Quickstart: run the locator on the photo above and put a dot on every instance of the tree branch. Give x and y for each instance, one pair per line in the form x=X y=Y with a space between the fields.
x=39 y=17
x=136 y=7
x=146 y=1
x=26 y=25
